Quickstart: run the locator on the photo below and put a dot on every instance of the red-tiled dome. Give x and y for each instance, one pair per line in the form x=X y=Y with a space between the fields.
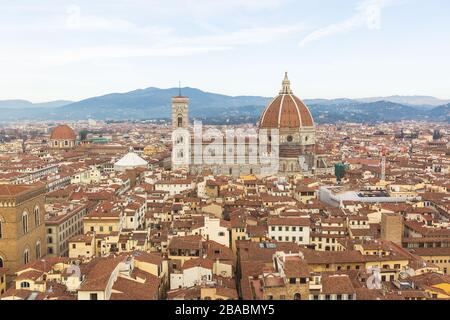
x=286 y=111
x=63 y=132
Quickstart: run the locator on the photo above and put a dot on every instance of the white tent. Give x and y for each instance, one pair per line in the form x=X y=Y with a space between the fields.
x=130 y=161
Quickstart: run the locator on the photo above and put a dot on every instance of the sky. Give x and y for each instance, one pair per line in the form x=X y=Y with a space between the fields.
x=57 y=49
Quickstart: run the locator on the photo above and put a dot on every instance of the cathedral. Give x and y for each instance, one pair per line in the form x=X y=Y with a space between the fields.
x=286 y=116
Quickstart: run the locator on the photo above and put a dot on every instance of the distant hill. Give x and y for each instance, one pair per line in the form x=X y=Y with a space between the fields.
x=409 y=100
x=154 y=103
x=21 y=104
x=441 y=113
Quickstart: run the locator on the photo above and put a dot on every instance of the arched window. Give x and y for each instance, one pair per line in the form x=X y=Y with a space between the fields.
x=37 y=216
x=38 y=250
x=297 y=296
x=24 y=284
x=26 y=256
x=1 y=228
x=180 y=121
x=25 y=222
x=2 y=264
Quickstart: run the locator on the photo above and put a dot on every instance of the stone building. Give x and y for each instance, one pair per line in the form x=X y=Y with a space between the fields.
x=286 y=116
x=22 y=227
x=62 y=138
x=392 y=227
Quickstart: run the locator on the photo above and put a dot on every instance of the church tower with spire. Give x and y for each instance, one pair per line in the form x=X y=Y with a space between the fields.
x=180 y=111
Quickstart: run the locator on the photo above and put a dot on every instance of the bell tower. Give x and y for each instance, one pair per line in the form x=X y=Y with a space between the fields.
x=180 y=111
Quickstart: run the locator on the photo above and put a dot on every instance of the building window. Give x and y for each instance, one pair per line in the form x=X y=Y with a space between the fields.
x=37 y=217
x=38 y=250
x=1 y=229
x=1 y=263
x=24 y=284
x=93 y=296
x=289 y=138
x=273 y=228
x=292 y=280
x=25 y=222
x=339 y=297
x=26 y=256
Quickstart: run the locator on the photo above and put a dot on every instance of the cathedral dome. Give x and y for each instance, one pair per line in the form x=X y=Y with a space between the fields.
x=286 y=111
x=63 y=132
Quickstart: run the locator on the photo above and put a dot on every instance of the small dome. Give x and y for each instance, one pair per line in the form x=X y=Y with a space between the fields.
x=286 y=111
x=63 y=132
x=130 y=161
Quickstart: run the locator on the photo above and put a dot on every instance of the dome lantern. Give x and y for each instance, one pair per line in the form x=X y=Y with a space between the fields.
x=286 y=85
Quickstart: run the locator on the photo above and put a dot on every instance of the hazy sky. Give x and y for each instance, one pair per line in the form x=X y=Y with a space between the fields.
x=56 y=49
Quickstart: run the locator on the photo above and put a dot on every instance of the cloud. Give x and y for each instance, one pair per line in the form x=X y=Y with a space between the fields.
x=368 y=15
x=62 y=57
x=244 y=36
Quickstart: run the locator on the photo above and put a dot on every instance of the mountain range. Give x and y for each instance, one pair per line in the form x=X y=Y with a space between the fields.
x=154 y=103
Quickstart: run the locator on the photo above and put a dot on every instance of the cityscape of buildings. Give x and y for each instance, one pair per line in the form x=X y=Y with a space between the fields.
x=95 y=210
